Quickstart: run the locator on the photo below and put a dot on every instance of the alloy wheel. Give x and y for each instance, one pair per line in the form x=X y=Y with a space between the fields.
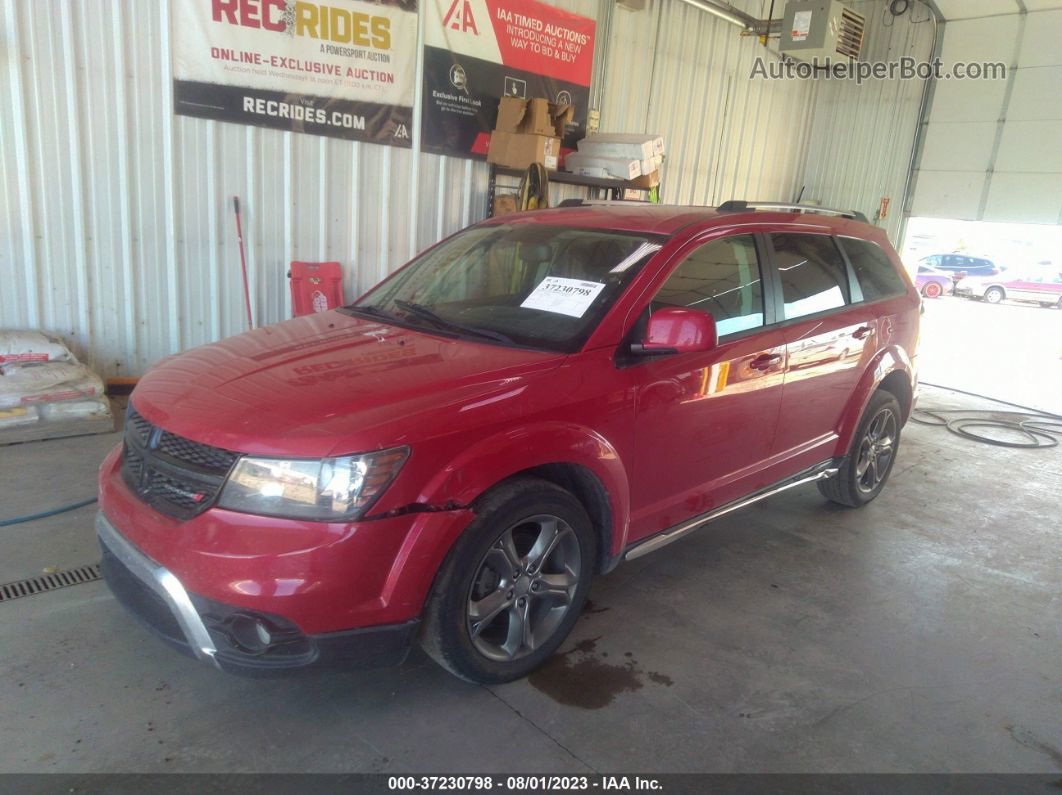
x=523 y=588
x=876 y=450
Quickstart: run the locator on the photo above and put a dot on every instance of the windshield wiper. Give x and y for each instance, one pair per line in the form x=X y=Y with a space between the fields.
x=424 y=312
x=369 y=309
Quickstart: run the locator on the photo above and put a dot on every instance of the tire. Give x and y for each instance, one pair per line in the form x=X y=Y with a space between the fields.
x=862 y=476
x=932 y=290
x=492 y=566
x=995 y=295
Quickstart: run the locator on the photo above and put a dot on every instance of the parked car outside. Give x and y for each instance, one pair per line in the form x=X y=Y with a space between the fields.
x=451 y=459
x=961 y=265
x=933 y=283
x=1039 y=285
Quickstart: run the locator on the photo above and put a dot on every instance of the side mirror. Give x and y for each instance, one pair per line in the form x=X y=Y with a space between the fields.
x=676 y=330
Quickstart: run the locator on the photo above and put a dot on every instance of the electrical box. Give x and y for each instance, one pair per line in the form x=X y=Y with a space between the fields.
x=821 y=30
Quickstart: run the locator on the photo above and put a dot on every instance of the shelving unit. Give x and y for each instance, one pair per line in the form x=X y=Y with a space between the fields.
x=615 y=187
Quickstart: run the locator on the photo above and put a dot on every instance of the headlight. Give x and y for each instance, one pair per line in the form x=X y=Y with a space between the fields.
x=324 y=490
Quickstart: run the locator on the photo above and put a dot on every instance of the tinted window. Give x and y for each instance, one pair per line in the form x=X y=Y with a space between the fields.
x=721 y=278
x=812 y=273
x=873 y=269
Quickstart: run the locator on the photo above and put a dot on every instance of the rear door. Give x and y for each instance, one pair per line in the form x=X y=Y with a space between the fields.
x=830 y=335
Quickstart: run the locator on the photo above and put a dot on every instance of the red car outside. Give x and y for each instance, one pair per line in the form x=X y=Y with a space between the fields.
x=933 y=283
x=453 y=457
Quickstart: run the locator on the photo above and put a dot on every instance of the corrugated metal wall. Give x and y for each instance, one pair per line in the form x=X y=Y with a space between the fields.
x=679 y=71
x=116 y=226
x=862 y=137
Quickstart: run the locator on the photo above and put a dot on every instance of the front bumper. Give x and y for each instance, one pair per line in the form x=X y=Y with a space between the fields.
x=225 y=635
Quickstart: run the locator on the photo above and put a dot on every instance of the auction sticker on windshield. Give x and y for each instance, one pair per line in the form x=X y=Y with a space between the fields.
x=570 y=297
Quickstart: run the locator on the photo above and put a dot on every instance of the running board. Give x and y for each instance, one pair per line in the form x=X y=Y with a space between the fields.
x=823 y=471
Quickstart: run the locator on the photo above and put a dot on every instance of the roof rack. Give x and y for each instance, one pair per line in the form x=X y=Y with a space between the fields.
x=599 y=202
x=735 y=206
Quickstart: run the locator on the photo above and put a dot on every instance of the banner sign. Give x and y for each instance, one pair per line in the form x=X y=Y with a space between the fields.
x=342 y=68
x=478 y=50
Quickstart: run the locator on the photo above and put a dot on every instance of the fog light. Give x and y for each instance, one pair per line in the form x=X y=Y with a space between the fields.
x=249 y=634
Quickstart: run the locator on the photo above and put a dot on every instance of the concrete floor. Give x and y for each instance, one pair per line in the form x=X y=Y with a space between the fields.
x=919 y=634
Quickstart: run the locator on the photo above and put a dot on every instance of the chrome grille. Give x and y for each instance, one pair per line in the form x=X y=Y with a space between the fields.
x=176 y=476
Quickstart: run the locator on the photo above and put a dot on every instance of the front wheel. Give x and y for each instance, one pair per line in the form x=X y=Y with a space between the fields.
x=513 y=585
x=994 y=295
x=867 y=466
x=932 y=290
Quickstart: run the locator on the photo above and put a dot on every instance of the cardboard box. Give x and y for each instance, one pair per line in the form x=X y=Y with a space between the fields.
x=535 y=116
x=504 y=203
x=646 y=181
x=588 y=165
x=519 y=150
x=510 y=113
x=633 y=145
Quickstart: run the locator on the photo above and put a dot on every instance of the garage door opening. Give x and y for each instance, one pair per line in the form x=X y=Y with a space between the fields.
x=993 y=308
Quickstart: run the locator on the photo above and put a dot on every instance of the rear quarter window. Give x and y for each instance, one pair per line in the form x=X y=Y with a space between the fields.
x=874 y=271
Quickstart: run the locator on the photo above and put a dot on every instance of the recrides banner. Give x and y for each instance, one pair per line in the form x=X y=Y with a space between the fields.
x=341 y=68
x=476 y=51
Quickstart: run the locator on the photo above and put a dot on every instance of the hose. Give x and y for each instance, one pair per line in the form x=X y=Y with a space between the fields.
x=44 y=514
x=1040 y=428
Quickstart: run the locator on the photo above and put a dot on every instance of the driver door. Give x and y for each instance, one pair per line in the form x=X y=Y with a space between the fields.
x=705 y=421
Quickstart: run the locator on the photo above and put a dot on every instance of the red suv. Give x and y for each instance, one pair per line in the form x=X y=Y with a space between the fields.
x=453 y=457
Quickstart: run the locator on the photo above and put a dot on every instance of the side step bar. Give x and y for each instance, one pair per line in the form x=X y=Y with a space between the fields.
x=823 y=471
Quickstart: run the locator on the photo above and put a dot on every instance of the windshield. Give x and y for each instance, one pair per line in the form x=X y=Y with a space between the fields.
x=529 y=285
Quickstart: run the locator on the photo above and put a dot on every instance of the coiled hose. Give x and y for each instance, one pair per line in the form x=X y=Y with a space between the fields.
x=1040 y=428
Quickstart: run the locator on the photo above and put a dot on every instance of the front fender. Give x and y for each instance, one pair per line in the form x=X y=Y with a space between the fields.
x=885 y=362
x=498 y=457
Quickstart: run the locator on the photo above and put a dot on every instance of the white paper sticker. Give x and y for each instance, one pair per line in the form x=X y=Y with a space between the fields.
x=570 y=297
x=801 y=25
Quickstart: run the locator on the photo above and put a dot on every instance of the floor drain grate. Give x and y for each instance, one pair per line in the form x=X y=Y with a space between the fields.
x=49 y=582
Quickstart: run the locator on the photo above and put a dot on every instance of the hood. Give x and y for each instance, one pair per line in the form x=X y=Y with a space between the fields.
x=325 y=384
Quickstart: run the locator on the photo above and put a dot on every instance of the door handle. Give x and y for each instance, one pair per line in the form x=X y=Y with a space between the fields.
x=861 y=332
x=764 y=361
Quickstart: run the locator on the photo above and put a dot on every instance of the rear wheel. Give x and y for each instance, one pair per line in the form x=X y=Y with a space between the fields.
x=994 y=295
x=867 y=466
x=513 y=585
x=932 y=290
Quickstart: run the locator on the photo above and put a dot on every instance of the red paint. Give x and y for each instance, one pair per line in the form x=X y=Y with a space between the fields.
x=680 y=330
x=668 y=437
